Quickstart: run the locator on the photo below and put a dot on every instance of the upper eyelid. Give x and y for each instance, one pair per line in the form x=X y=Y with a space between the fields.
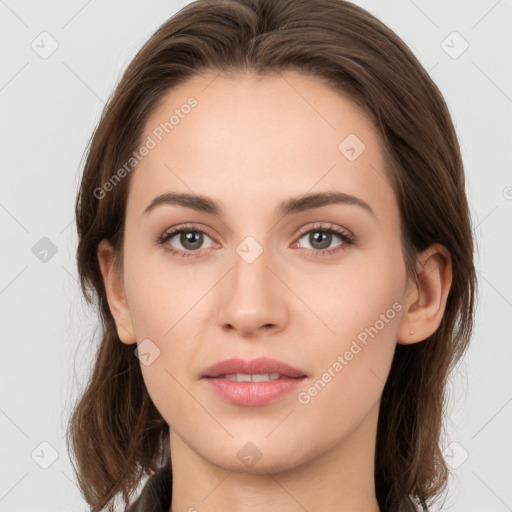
x=325 y=226
x=320 y=226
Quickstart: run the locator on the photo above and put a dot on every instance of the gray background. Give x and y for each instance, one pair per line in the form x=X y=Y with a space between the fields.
x=48 y=109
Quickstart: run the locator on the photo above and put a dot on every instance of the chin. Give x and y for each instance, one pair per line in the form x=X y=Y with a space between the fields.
x=255 y=459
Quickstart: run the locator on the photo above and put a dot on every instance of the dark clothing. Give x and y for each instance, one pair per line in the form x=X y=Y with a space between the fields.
x=156 y=495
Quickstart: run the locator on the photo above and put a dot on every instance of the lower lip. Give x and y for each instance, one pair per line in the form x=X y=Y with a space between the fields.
x=252 y=394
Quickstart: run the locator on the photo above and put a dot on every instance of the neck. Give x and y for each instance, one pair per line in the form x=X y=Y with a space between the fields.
x=340 y=479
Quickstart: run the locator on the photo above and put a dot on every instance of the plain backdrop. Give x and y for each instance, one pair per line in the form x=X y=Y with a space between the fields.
x=49 y=106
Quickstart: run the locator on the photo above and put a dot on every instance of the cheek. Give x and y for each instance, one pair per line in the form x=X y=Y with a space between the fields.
x=160 y=297
x=166 y=309
x=164 y=314
x=362 y=308
x=346 y=300
x=351 y=371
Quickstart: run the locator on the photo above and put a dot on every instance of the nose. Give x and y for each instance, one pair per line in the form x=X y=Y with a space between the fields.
x=253 y=298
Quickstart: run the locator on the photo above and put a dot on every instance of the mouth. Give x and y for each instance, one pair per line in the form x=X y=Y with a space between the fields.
x=252 y=383
x=255 y=370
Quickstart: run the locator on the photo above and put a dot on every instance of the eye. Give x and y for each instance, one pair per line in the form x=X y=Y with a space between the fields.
x=320 y=238
x=191 y=239
x=189 y=236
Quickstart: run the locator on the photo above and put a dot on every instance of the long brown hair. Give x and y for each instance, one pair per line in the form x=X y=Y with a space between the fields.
x=115 y=432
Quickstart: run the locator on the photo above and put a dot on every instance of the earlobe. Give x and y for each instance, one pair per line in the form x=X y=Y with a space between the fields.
x=115 y=293
x=425 y=301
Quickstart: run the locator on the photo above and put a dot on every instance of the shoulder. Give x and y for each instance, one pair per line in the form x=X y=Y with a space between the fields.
x=156 y=495
x=404 y=506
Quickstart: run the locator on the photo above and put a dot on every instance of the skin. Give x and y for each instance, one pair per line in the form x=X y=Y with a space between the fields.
x=250 y=143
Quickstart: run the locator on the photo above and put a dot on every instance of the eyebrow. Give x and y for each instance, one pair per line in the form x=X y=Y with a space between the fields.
x=290 y=206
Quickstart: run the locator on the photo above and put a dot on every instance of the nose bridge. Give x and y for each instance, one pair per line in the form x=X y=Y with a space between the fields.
x=253 y=296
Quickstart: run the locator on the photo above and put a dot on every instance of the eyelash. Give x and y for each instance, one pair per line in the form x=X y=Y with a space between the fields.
x=346 y=238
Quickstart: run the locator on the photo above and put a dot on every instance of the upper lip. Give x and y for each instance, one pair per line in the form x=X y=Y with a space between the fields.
x=255 y=366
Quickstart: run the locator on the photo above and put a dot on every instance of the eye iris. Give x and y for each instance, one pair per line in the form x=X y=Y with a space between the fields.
x=326 y=238
x=192 y=238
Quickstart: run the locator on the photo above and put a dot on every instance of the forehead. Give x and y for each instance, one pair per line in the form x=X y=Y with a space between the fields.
x=246 y=137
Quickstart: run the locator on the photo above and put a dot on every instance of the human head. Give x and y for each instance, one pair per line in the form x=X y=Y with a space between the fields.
x=344 y=47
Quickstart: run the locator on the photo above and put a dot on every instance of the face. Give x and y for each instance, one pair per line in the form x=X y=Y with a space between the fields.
x=317 y=285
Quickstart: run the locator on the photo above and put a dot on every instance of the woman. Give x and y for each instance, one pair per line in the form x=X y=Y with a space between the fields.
x=273 y=217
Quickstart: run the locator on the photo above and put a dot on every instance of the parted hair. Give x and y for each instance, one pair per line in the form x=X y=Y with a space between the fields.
x=115 y=435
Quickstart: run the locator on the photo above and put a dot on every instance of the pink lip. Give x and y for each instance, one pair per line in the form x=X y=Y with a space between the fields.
x=252 y=394
x=255 y=366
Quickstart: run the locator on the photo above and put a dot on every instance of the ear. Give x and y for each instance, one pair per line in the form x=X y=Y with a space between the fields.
x=115 y=293
x=425 y=301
